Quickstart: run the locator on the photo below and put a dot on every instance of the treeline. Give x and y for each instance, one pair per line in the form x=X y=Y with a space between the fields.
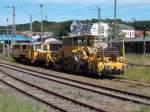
x=58 y=28
x=141 y=25
x=63 y=28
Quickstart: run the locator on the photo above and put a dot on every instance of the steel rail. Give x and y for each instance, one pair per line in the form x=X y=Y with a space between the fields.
x=87 y=84
x=55 y=94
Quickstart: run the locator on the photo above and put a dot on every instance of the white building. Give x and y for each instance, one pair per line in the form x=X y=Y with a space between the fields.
x=79 y=28
x=103 y=30
x=129 y=33
x=128 y=30
x=104 y=27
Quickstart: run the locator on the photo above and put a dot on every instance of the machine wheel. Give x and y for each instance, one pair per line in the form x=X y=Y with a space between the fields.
x=84 y=67
x=51 y=65
x=58 y=65
x=122 y=71
x=99 y=74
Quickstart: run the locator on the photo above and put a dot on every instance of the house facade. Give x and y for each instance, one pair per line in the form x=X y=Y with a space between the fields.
x=79 y=28
x=104 y=27
x=139 y=33
x=129 y=31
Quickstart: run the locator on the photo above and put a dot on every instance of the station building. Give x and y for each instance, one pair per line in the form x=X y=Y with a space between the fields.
x=18 y=38
x=137 y=45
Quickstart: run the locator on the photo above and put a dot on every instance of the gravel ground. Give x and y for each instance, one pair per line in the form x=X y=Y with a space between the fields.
x=107 y=103
x=23 y=98
x=67 y=105
x=105 y=82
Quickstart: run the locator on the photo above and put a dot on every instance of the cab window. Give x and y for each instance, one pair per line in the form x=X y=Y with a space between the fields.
x=45 y=48
x=55 y=47
x=67 y=41
x=37 y=47
x=24 y=47
x=16 y=47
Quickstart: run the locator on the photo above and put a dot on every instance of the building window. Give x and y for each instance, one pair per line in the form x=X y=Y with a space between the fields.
x=102 y=29
x=130 y=34
x=102 y=36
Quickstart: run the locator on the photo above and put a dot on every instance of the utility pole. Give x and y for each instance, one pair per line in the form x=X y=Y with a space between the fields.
x=7 y=37
x=46 y=17
x=14 y=25
x=115 y=21
x=41 y=5
x=3 y=46
x=99 y=22
x=144 y=43
x=31 y=30
x=7 y=27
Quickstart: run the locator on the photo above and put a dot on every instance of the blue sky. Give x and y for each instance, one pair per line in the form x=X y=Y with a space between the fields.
x=61 y=10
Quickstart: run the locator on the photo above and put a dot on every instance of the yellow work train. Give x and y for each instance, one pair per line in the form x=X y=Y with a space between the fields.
x=76 y=54
x=37 y=53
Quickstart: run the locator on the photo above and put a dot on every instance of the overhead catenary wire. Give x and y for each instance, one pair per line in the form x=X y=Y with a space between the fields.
x=74 y=11
x=79 y=9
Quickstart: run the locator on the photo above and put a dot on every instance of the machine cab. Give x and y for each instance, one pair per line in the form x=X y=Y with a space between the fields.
x=75 y=43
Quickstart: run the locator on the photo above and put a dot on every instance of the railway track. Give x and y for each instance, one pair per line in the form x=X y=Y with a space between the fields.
x=129 y=81
x=139 y=65
x=122 y=95
x=59 y=102
x=32 y=96
x=124 y=80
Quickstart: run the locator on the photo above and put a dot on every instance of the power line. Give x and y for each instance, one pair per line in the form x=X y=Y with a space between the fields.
x=70 y=12
x=86 y=7
x=136 y=11
x=123 y=7
x=63 y=15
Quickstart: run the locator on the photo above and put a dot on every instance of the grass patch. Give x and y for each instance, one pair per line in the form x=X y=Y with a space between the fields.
x=144 y=109
x=138 y=73
x=9 y=103
x=138 y=58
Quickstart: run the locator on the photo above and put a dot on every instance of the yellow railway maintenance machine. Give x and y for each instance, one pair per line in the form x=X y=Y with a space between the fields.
x=37 y=53
x=78 y=54
x=114 y=59
x=29 y=52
